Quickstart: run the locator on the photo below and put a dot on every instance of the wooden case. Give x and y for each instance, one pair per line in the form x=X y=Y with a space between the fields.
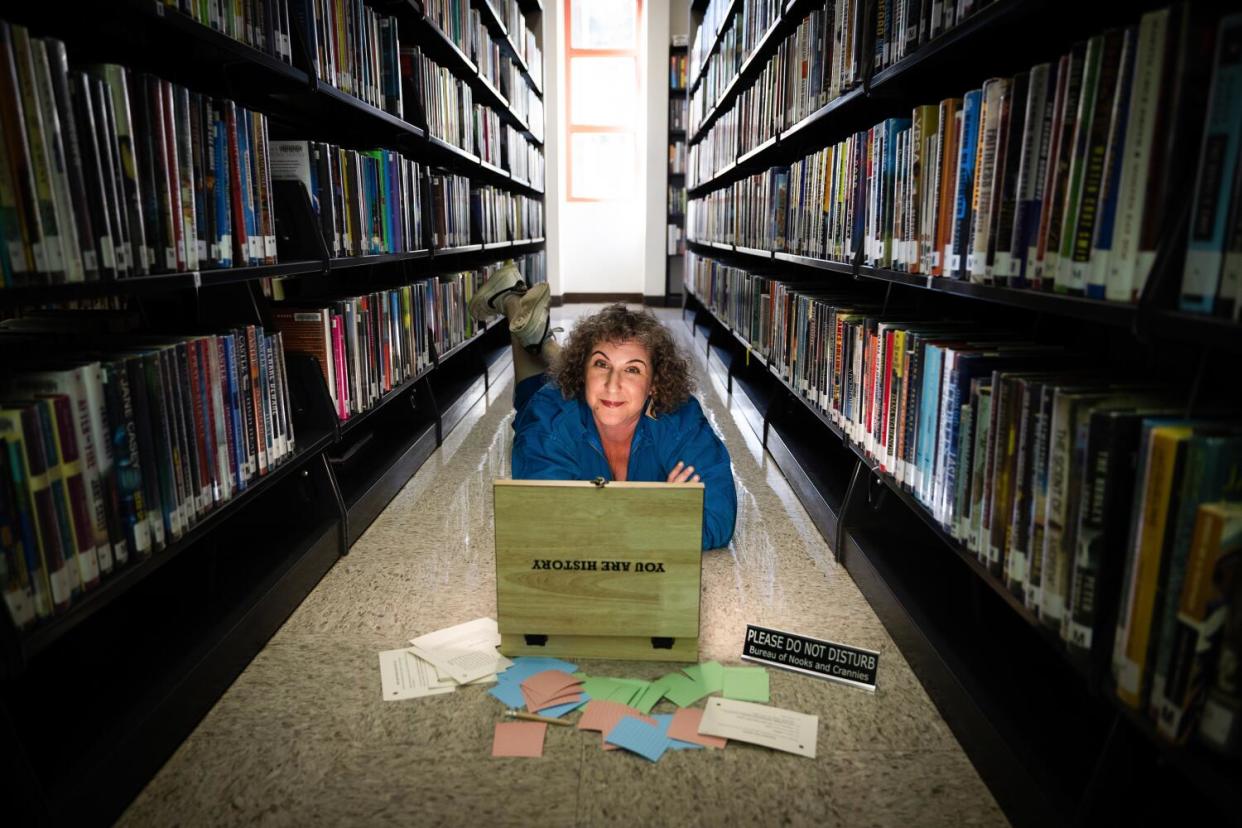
x=591 y=571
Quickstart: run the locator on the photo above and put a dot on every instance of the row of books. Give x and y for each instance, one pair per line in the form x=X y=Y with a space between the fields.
x=497 y=215
x=523 y=39
x=464 y=26
x=533 y=267
x=716 y=150
x=742 y=33
x=367 y=203
x=366 y=345
x=354 y=49
x=1040 y=181
x=676 y=240
x=523 y=159
x=450 y=204
x=114 y=447
x=803 y=75
x=904 y=25
x=677 y=68
x=676 y=200
x=267 y=26
x=821 y=60
x=677 y=114
x=714 y=18
x=451 y=113
x=108 y=173
x=677 y=157
x=1062 y=481
x=447 y=101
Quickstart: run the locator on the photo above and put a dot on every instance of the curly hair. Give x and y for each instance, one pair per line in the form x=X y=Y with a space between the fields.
x=671 y=380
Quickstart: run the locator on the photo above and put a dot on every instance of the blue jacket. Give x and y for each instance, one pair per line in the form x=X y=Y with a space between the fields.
x=556 y=439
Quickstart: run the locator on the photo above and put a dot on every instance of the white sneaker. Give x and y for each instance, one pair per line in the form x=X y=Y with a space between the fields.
x=531 y=323
x=489 y=300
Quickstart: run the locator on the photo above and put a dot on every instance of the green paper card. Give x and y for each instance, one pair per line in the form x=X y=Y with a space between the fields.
x=651 y=696
x=746 y=684
x=682 y=690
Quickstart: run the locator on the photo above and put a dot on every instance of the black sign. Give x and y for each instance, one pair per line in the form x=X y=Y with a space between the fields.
x=823 y=659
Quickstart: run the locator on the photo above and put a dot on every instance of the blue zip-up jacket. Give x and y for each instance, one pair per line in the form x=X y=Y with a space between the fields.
x=556 y=439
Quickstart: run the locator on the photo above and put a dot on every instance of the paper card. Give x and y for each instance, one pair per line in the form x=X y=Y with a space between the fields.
x=509 y=694
x=463 y=665
x=713 y=676
x=561 y=709
x=651 y=696
x=683 y=690
x=465 y=652
x=638 y=737
x=746 y=684
x=524 y=666
x=624 y=694
x=685 y=727
x=519 y=739
x=535 y=703
x=549 y=683
x=598 y=687
x=601 y=714
x=405 y=676
x=760 y=724
x=665 y=721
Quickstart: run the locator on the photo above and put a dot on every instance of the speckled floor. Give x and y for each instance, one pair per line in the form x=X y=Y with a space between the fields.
x=303 y=737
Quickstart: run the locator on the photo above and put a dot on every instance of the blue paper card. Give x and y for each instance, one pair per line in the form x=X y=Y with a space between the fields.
x=666 y=719
x=638 y=737
x=526 y=666
x=509 y=693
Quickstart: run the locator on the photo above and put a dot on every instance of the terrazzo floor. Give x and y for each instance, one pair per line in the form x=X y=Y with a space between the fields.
x=303 y=738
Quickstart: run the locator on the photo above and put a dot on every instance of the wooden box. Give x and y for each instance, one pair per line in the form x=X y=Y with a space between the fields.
x=590 y=571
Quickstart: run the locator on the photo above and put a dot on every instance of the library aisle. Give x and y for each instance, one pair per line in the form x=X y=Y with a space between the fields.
x=303 y=736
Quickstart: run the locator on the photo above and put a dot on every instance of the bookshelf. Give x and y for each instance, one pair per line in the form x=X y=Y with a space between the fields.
x=674 y=262
x=1040 y=720
x=221 y=589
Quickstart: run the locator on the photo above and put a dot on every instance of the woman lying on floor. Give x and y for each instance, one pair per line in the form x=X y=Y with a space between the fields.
x=614 y=402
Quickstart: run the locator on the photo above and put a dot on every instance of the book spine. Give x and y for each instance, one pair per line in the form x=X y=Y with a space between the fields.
x=48 y=250
x=79 y=266
x=1131 y=648
x=1217 y=156
x=48 y=591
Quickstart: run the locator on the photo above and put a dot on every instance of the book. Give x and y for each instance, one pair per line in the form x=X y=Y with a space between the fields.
x=1222 y=134
x=1219 y=721
x=1162 y=463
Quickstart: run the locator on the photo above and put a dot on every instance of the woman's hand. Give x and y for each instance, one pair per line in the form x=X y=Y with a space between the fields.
x=682 y=473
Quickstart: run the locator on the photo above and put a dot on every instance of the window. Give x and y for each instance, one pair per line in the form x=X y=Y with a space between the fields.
x=602 y=81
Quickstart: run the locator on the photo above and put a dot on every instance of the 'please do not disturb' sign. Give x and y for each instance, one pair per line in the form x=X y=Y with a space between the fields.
x=823 y=659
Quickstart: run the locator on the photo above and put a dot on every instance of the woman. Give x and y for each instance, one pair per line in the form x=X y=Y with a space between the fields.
x=614 y=403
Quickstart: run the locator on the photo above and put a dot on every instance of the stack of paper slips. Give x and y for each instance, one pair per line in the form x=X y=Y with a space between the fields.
x=439 y=662
x=552 y=690
x=465 y=653
x=512 y=690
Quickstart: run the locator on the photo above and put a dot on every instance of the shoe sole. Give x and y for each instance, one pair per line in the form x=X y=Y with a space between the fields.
x=529 y=322
x=502 y=280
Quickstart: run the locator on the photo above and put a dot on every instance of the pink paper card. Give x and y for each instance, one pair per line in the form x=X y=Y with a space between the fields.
x=601 y=714
x=536 y=702
x=685 y=728
x=551 y=683
x=519 y=739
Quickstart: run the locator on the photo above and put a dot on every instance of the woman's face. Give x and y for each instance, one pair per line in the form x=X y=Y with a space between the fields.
x=618 y=380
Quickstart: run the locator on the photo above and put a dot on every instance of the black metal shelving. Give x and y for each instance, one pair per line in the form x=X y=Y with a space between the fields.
x=238 y=573
x=1170 y=324
x=1119 y=753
